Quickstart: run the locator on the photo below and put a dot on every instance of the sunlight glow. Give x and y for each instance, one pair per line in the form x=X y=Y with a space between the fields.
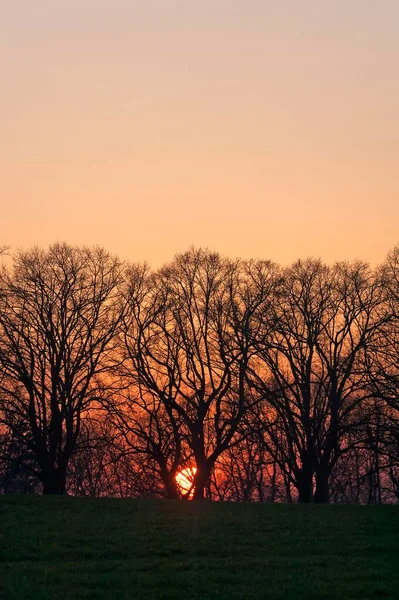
x=185 y=481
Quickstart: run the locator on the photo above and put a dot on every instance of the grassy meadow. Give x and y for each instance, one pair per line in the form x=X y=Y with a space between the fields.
x=77 y=548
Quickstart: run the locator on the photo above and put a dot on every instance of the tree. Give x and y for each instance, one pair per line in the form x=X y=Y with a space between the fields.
x=383 y=364
x=188 y=340
x=150 y=430
x=58 y=319
x=314 y=378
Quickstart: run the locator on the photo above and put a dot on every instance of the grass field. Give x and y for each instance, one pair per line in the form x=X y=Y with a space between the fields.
x=74 y=548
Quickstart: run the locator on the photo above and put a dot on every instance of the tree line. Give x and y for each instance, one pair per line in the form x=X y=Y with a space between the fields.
x=259 y=382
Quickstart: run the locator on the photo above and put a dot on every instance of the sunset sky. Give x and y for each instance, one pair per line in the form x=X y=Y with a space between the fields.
x=254 y=127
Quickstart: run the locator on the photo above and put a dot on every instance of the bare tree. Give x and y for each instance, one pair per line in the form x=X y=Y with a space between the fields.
x=58 y=318
x=383 y=365
x=268 y=384
x=149 y=429
x=188 y=342
x=314 y=376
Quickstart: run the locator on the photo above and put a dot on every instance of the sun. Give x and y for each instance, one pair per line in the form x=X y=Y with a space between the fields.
x=185 y=481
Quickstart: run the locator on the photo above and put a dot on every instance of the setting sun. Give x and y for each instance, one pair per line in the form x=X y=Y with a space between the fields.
x=185 y=481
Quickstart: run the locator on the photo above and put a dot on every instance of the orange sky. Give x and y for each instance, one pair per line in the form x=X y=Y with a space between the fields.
x=256 y=128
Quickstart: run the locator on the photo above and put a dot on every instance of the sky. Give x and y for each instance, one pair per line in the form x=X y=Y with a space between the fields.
x=256 y=128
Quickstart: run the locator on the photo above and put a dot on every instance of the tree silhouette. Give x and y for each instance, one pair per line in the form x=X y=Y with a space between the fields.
x=58 y=318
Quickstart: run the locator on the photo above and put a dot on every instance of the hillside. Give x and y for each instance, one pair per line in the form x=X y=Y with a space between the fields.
x=76 y=548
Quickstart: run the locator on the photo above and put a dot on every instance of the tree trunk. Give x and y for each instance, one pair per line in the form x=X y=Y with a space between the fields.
x=322 y=494
x=169 y=481
x=200 y=481
x=305 y=484
x=54 y=483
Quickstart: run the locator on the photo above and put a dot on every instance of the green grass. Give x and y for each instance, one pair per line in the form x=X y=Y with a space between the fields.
x=75 y=548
